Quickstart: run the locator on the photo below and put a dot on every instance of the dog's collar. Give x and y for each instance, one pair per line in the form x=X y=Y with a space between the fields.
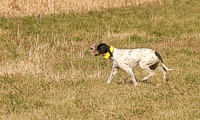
x=109 y=53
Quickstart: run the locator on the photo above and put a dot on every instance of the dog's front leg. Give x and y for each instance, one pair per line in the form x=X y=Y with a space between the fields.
x=130 y=72
x=113 y=73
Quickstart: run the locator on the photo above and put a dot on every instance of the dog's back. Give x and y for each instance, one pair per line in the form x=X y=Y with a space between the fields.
x=133 y=54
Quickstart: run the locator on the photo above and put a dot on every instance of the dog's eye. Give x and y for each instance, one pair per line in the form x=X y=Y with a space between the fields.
x=91 y=48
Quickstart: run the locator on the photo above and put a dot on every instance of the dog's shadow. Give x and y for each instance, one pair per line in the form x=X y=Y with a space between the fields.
x=147 y=82
x=126 y=82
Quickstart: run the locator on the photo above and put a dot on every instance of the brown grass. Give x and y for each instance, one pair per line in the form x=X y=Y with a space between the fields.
x=46 y=71
x=17 y=8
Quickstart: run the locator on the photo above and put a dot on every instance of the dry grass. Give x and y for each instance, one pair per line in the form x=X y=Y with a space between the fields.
x=46 y=71
x=16 y=8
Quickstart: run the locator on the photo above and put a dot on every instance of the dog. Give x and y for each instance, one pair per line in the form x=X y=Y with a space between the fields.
x=128 y=59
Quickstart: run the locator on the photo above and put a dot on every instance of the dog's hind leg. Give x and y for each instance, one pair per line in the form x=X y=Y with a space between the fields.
x=163 y=71
x=151 y=73
x=148 y=69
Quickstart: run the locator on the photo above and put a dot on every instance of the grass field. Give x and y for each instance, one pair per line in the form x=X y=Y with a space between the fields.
x=19 y=8
x=46 y=71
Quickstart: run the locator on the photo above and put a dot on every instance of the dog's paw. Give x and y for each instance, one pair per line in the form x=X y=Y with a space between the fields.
x=108 y=82
x=135 y=84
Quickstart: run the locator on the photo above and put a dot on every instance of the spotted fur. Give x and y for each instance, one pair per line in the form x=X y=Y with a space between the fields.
x=128 y=59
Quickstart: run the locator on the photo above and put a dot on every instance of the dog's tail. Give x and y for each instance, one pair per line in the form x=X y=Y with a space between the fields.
x=164 y=66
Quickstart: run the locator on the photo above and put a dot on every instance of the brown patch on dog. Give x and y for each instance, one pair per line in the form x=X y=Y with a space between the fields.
x=94 y=52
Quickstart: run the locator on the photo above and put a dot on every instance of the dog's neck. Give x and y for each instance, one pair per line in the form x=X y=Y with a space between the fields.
x=109 y=54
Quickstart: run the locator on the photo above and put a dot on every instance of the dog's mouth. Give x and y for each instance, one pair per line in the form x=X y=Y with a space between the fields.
x=94 y=55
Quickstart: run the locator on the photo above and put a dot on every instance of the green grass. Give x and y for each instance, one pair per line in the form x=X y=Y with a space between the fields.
x=46 y=71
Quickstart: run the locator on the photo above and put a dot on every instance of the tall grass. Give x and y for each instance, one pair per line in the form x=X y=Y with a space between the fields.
x=46 y=71
x=18 y=8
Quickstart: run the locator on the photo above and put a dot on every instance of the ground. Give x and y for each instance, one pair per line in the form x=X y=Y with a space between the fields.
x=46 y=71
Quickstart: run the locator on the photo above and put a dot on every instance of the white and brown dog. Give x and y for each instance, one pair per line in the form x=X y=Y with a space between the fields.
x=127 y=59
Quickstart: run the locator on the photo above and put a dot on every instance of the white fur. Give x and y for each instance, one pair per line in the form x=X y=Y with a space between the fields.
x=127 y=59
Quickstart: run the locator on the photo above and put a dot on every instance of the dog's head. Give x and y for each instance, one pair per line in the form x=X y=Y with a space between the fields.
x=99 y=49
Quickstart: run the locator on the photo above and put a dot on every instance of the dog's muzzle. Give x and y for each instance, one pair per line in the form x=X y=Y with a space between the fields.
x=93 y=51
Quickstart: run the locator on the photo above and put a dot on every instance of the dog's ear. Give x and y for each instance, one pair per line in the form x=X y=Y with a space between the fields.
x=98 y=43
